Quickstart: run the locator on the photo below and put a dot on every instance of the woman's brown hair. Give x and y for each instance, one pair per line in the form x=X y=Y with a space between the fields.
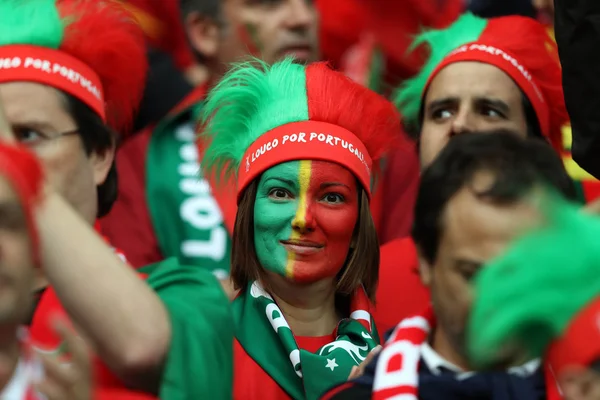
x=362 y=263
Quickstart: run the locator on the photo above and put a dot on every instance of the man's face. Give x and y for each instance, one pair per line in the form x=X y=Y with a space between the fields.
x=269 y=30
x=466 y=97
x=16 y=258
x=38 y=116
x=304 y=218
x=473 y=232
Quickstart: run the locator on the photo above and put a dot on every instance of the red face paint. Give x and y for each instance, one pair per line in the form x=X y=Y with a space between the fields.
x=323 y=223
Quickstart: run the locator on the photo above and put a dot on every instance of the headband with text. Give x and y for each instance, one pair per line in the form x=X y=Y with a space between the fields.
x=306 y=140
x=54 y=68
x=508 y=64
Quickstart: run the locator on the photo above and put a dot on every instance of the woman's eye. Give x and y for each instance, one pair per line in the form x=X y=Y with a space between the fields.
x=334 y=198
x=279 y=194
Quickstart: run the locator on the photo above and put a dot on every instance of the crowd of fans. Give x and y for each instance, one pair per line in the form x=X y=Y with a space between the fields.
x=299 y=199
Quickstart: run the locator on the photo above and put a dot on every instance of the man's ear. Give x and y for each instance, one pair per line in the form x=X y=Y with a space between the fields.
x=203 y=34
x=425 y=269
x=101 y=163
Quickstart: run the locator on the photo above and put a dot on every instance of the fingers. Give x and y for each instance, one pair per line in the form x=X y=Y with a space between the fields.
x=354 y=373
x=75 y=346
x=62 y=380
x=58 y=380
x=358 y=370
x=371 y=355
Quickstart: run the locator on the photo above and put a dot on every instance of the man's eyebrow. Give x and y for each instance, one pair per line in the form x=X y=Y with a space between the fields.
x=441 y=102
x=497 y=103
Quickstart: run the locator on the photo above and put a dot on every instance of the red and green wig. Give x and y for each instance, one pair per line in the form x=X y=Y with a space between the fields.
x=519 y=46
x=542 y=296
x=259 y=116
x=91 y=49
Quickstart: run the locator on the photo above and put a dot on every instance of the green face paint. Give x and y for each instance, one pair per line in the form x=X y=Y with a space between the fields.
x=273 y=217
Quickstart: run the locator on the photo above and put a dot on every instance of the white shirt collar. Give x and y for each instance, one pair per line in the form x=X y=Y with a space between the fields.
x=435 y=362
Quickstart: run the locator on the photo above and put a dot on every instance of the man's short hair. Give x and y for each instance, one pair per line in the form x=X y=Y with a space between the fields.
x=518 y=165
x=207 y=8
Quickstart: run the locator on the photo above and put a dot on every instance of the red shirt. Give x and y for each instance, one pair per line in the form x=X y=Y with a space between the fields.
x=251 y=382
x=400 y=293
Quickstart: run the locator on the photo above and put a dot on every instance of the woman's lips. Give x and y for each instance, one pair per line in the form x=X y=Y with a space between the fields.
x=302 y=247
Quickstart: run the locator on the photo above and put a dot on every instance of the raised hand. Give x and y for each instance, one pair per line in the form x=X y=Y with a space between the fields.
x=69 y=379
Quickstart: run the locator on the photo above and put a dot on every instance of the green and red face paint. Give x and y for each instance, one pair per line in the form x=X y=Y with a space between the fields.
x=307 y=202
x=304 y=218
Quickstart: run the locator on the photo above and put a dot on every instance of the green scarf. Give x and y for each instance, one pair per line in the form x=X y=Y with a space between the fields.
x=187 y=220
x=303 y=375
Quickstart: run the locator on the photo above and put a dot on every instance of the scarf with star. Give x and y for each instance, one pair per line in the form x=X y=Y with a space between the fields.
x=302 y=374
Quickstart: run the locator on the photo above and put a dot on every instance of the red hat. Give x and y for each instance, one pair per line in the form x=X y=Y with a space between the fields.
x=519 y=46
x=90 y=49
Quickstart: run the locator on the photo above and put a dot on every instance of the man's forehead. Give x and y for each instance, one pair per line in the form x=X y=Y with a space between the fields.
x=476 y=79
x=31 y=103
x=475 y=224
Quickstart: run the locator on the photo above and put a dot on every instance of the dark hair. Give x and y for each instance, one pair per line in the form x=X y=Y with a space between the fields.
x=207 y=8
x=517 y=164
x=533 y=124
x=96 y=136
x=361 y=267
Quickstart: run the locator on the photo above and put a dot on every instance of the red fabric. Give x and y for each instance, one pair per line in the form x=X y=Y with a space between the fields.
x=591 y=190
x=54 y=68
x=104 y=36
x=400 y=293
x=312 y=140
x=24 y=172
x=393 y=23
x=120 y=394
x=529 y=42
x=579 y=345
x=162 y=25
x=128 y=225
x=251 y=382
x=394 y=198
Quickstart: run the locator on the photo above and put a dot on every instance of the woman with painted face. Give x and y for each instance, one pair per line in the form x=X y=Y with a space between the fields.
x=305 y=253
